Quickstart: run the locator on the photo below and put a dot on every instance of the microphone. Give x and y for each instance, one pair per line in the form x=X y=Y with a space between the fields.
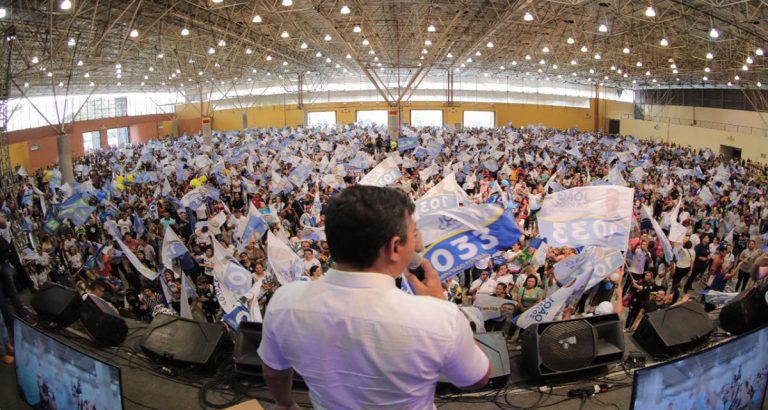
x=414 y=266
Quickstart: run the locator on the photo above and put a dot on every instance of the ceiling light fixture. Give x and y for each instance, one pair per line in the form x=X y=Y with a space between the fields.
x=528 y=16
x=714 y=33
x=650 y=12
x=710 y=56
x=86 y=75
x=602 y=28
x=573 y=62
x=248 y=51
x=303 y=46
x=345 y=10
x=749 y=60
x=256 y=19
x=570 y=40
x=545 y=49
x=664 y=42
x=625 y=50
x=134 y=33
x=222 y=43
x=706 y=69
x=79 y=63
x=327 y=37
x=357 y=29
x=427 y=42
x=211 y=50
x=269 y=57
x=584 y=49
x=287 y=3
x=284 y=34
x=745 y=67
x=71 y=42
x=65 y=5
x=489 y=45
x=319 y=54
x=527 y=56
x=366 y=42
x=184 y=32
x=431 y=29
x=759 y=52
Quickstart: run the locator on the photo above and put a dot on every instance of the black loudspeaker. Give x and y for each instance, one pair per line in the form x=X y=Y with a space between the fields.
x=102 y=322
x=247 y=340
x=747 y=312
x=56 y=303
x=674 y=330
x=554 y=348
x=494 y=345
x=186 y=341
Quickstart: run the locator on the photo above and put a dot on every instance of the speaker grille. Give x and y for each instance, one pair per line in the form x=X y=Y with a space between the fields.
x=567 y=345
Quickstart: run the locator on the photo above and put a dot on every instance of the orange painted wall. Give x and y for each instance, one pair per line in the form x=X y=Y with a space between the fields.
x=190 y=126
x=141 y=129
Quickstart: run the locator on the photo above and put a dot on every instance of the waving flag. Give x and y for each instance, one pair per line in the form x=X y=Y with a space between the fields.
x=76 y=213
x=186 y=288
x=231 y=280
x=665 y=245
x=404 y=144
x=95 y=263
x=615 y=178
x=172 y=248
x=447 y=194
x=299 y=175
x=467 y=235
x=166 y=187
x=148 y=273
x=384 y=174
x=498 y=196
x=584 y=216
x=138 y=225
x=254 y=224
x=282 y=260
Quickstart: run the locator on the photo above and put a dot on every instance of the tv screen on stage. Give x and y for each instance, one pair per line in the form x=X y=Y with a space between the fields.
x=728 y=376
x=52 y=375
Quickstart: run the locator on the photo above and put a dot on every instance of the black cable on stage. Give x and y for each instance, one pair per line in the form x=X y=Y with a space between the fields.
x=128 y=399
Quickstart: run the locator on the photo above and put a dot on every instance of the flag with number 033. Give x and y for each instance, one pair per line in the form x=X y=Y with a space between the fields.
x=484 y=229
x=587 y=216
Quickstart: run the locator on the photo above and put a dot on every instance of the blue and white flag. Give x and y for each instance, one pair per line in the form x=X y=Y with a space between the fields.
x=299 y=175
x=473 y=233
x=384 y=174
x=186 y=288
x=152 y=211
x=231 y=280
x=498 y=196
x=197 y=197
x=282 y=260
x=167 y=292
x=172 y=248
x=51 y=225
x=718 y=298
x=404 y=144
x=602 y=260
x=148 y=273
x=447 y=194
x=253 y=225
x=138 y=225
x=706 y=196
x=76 y=213
x=615 y=178
x=665 y=245
x=584 y=216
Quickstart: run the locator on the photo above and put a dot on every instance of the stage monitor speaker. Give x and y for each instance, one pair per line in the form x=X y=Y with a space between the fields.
x=555 y=348
x=247 y=340
x=494 y=345
x=186 y=341
x=747 y=312
x=57 y=303
x=674 y=330
x=103 y=322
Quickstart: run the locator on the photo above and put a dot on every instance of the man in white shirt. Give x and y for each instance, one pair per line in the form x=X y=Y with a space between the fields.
x=483 y=285
x=359 y=341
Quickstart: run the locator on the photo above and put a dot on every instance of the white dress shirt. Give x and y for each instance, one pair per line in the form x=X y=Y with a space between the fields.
x=360 y=342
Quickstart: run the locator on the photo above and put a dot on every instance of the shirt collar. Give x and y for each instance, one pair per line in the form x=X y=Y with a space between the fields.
x=359 y=279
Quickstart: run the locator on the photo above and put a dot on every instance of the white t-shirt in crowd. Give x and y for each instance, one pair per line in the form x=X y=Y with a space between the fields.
x=355 y=339
x=487 y=287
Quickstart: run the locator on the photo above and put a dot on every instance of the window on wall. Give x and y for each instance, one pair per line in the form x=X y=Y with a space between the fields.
x=479 y=119
x=320 y=118
x=427 y=118
x=118 y=137
x=91 y=140
x=372 y=117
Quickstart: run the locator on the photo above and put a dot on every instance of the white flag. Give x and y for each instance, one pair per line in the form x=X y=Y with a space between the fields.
x=384 y=174
x=282 y=260
x=148 y=273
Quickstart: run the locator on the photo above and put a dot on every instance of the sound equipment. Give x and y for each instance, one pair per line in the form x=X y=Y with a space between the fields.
x=247 y=340
x=494 y=345
x=102 y=322
x=56 y=303
x=746 y=312
x=674 y=330
x=555 y=348
x=186 y=341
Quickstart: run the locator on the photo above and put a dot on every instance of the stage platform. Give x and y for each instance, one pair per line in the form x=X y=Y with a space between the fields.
x=150 y=385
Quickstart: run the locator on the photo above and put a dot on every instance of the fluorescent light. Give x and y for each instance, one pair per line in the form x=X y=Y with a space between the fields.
x=3 y=13
x=287 y=3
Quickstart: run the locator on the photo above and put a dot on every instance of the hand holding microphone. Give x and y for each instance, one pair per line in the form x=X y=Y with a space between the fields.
x=424 y=278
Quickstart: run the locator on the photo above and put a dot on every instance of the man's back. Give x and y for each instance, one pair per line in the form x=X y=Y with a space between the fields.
x=359 y=342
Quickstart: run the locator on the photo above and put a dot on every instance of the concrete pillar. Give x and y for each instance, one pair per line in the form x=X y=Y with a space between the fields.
x=175 y=130
x=393 y=123
x=207 y=130
x=65 y=158
x=245 y=120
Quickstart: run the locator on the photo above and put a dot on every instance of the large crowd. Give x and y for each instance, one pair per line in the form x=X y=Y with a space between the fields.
x=136 y=192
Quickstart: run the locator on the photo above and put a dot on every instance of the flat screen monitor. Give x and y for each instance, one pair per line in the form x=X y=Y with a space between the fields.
x=731 y=375
x=50 y=374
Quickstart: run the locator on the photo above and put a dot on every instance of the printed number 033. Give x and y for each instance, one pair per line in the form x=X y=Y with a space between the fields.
x=582 y=230
x=461 y=247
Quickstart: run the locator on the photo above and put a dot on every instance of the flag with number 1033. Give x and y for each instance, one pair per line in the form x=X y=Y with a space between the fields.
x=587 y=216
x=461 y=249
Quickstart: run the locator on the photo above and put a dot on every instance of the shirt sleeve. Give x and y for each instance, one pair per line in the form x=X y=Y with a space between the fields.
x=269 y=350
x=465 y=362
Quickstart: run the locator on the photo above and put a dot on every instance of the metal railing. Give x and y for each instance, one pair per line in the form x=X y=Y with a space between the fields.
x=721 y=126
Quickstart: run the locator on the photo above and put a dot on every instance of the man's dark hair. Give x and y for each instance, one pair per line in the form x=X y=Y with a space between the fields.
x=361 y=219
